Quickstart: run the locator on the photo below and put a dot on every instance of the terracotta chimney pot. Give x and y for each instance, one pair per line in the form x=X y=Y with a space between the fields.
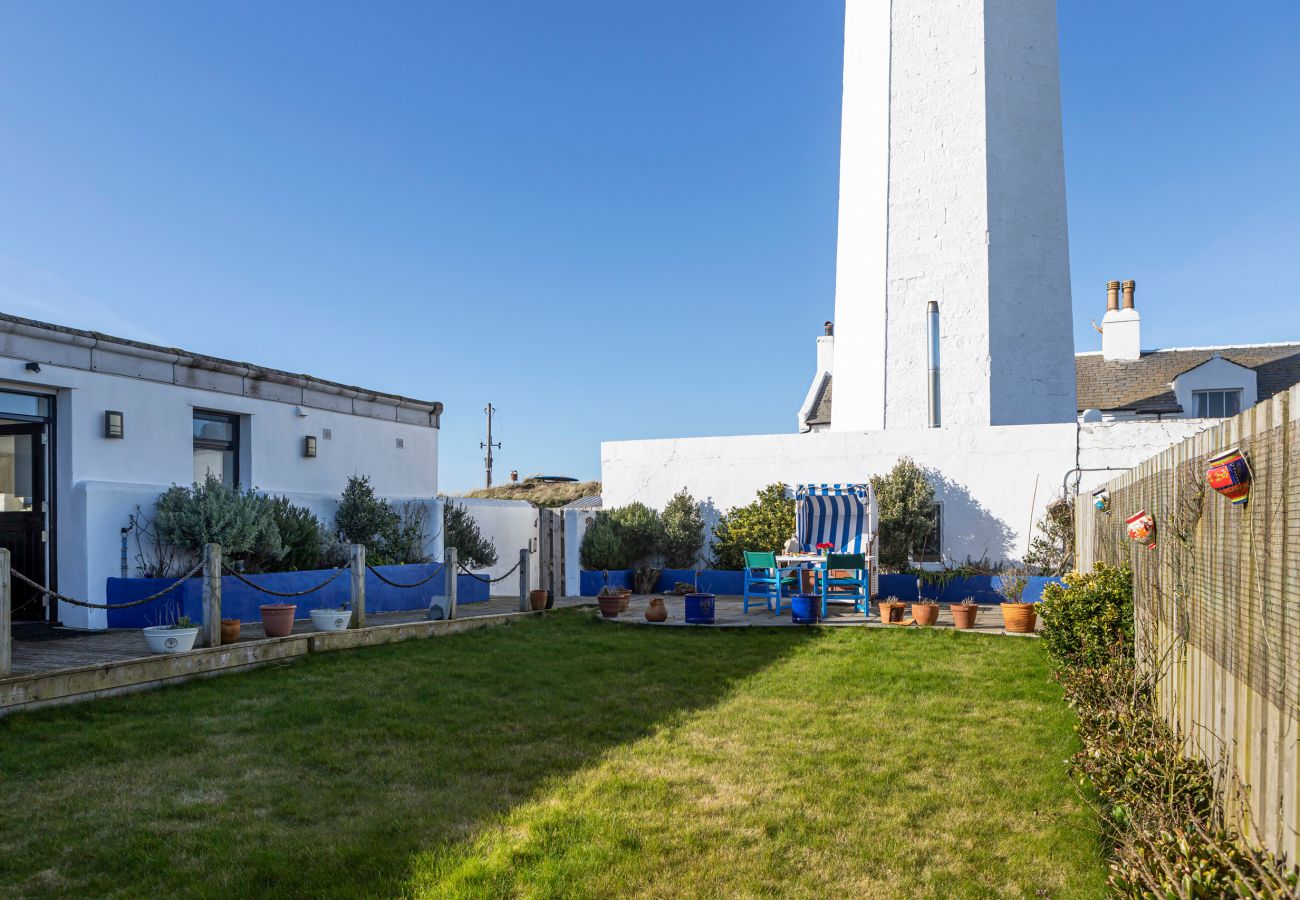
x=1112 y=295
x=1129 y=287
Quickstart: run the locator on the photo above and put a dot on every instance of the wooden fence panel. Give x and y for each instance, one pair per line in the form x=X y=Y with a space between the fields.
x=1217 y=602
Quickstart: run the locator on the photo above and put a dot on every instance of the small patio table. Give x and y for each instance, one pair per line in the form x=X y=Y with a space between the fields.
x=807 y=565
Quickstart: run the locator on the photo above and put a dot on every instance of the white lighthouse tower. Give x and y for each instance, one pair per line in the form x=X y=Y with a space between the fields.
x=952 y=295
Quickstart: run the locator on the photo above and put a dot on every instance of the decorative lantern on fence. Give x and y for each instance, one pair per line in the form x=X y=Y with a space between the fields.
x=1101 y=500
x=1229 y=474
x=1142 y=528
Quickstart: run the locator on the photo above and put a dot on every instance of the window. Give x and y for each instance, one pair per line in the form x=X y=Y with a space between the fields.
x=930 y=547
x=1216 y=404
x=216 y=446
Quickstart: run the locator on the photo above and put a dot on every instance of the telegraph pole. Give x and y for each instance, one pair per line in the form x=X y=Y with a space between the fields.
x=489 y=445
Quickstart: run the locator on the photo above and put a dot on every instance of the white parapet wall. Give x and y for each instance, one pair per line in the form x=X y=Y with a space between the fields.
x=511 y=525
x=993 y=481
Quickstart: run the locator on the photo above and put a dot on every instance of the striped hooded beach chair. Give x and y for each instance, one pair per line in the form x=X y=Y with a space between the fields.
x=847 y=517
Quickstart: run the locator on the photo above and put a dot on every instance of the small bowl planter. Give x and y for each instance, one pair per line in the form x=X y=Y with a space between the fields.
x=891 y=611
x=805 y=609
x=277 y=619
x=229 y=631
x=699 y=609
x=963 y=615
x=166 y=639
x=537 y=599
x=328 y=619
x=925 y=612
x=1019 y=618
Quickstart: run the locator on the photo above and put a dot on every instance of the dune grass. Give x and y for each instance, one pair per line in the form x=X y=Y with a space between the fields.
x=566 y=757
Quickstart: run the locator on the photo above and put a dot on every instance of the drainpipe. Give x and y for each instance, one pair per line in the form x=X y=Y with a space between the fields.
x=932 y=314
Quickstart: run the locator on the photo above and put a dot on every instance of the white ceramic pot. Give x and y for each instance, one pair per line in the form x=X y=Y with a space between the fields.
x=165 y=639
x=331 y=619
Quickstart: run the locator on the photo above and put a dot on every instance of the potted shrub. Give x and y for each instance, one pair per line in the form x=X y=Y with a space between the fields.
x=891 y=610
x=1018 y=616
x=645 y=579
x=964 y=613
x=333 y=618
x=178 y=637
x=277 y=618
x=925 y=612
x=610 y=601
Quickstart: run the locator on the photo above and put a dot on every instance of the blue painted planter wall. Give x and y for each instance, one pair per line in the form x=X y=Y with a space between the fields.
x=716 y=581
x=239 y=601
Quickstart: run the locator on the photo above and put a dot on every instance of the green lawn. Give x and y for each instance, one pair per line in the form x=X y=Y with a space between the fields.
x=566 y=757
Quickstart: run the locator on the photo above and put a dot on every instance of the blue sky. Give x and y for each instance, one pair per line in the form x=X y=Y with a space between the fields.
x=611 y=220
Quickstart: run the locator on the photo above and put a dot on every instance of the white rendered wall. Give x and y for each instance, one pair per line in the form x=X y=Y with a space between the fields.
x=952 y=162
x=511 y=525
x=99 y=481
x=988 y=473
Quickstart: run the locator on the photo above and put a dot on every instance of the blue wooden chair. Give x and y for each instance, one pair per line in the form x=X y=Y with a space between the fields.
x=764 y=580
x=854 y=586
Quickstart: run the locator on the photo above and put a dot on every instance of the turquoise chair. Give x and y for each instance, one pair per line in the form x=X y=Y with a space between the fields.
x=764 y=581
x=855 y=586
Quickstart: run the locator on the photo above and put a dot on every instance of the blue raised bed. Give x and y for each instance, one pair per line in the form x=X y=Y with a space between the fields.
x=699 y=609
x=805 y=609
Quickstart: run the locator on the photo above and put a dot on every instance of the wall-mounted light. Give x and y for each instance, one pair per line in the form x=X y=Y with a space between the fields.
x=33 y=367
x=309 y=446
x=114 y=425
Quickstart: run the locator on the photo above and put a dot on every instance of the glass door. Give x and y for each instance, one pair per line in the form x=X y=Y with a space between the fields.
x=22 y=513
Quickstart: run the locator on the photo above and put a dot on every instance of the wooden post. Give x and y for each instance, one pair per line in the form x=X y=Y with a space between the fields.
x=6 y=610
x=212 y=595
x=523 y=580
x=358 y=585
x=449 y=566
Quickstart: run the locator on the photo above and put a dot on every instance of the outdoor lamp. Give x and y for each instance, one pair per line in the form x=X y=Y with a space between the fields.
x=113 y=424
x=309 y=446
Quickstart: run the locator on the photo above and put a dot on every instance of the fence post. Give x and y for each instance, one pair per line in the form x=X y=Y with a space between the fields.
x=212 y=595
x=358 y=585
x=523 y=580
x=449 y=566
x=6 y=608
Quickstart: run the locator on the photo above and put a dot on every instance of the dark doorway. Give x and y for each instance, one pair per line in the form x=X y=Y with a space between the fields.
x=23 y=501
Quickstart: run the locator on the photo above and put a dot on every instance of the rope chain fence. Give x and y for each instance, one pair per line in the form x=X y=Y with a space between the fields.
x=423 y=581
x=266 y=590
x=483 y=579
x=63 y=598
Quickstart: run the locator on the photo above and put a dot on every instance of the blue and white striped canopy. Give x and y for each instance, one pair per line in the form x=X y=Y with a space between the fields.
x=843 y=515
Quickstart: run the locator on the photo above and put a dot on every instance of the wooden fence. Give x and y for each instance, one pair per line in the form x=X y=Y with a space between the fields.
x=1217 y=602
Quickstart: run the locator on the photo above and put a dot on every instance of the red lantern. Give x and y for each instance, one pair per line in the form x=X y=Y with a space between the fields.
x=1142 y=528
x=1229 y=474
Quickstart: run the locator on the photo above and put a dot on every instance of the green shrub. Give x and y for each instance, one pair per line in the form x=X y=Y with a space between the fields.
x=906 y=499
x=1052 y=550
x=363 y=518
x=214 y=513
x=1089 y=619
x=640 y=531
x=462 y=532
x=764 y=525
x=683 y=531
x=602 y=545
x=299 y=538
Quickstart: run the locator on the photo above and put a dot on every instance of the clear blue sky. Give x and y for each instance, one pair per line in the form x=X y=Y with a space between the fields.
x=612 y=220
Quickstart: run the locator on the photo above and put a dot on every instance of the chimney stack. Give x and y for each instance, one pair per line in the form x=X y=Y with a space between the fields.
x=1121 y=337
x=826 y=348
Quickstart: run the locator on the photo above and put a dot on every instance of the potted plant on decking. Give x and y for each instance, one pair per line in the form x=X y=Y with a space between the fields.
x=1018 y=615
x=332 y=618
x=964 y=613
x=176 y=637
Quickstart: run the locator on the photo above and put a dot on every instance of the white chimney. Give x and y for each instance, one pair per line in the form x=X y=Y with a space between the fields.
x=826 y=349
x=1121 y=329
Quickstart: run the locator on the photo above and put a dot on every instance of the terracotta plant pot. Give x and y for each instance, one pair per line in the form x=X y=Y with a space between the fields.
x=277 y=619
x=963 y=614
x=625 y=596
x=1019 y=618
x=610 y=607
x=229 y=631
x=656 y=611
x=891 y=613
x=925 y=613
x=537 y=599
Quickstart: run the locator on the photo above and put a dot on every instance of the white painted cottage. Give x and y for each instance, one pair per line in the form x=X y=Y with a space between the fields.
x=953 y=333
x=92 y=426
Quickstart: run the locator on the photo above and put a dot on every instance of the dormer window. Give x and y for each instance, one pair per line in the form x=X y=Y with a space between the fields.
x=1216 y=404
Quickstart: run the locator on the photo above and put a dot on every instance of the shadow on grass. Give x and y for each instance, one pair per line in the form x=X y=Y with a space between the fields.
x=322 y=778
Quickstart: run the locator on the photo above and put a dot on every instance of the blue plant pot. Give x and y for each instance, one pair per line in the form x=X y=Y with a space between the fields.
x=805 y=609
x=699 y=609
